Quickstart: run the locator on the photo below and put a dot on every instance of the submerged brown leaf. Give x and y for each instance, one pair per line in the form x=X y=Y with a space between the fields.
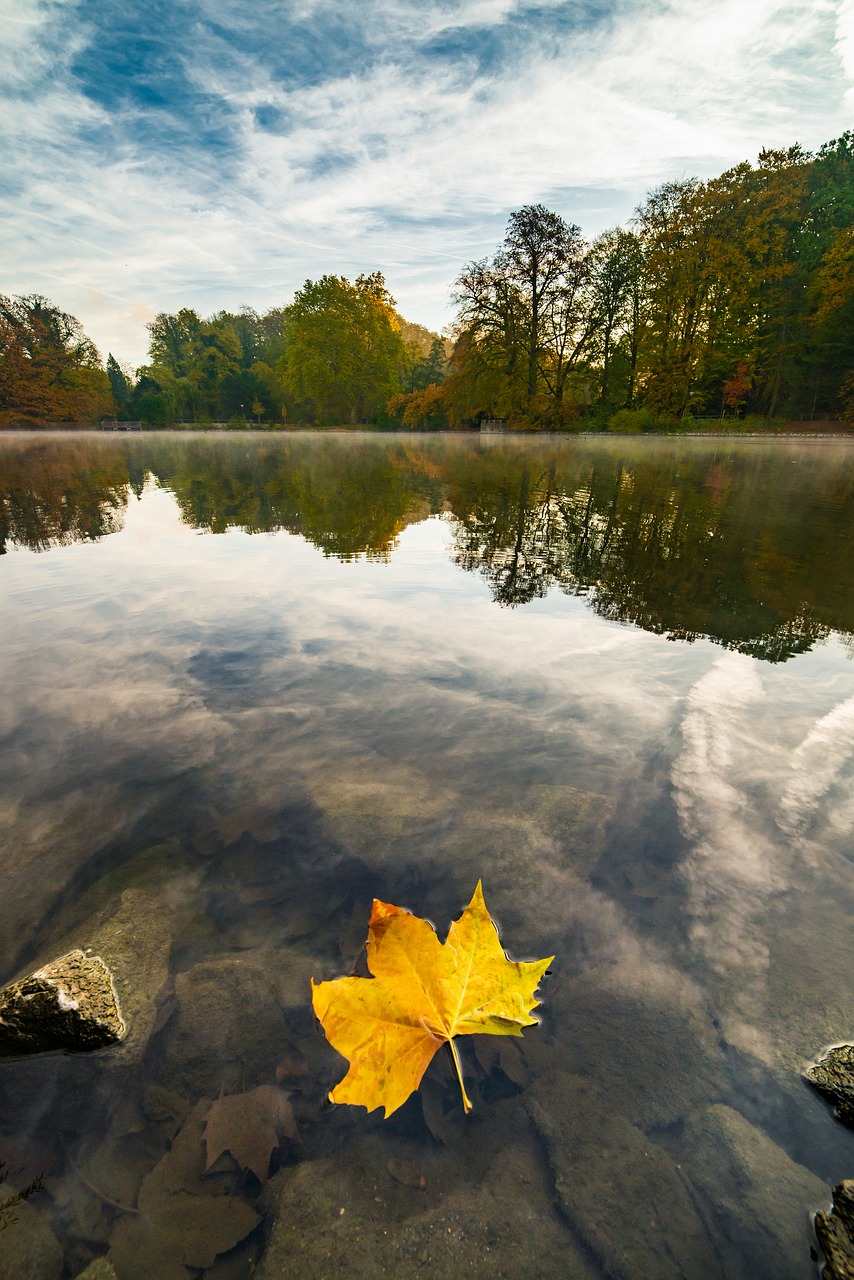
x=250 y=1126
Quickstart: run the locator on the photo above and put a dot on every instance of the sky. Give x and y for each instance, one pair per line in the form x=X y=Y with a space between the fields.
x=214 y=154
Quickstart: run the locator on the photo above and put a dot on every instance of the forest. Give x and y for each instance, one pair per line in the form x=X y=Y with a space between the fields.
x=723 y=300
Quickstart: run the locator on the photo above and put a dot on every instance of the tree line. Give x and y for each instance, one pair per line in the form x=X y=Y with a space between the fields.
x=722 y=298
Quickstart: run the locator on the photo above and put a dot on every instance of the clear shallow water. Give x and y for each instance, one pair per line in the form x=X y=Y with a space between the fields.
x=612 y=680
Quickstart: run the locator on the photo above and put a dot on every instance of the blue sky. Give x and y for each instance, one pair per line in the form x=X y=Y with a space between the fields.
x=210 y=153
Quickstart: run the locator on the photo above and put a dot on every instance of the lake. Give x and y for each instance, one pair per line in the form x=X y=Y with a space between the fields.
x=252 y=682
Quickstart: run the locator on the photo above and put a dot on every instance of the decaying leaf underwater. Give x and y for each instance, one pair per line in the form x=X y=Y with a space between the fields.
x=421 y=995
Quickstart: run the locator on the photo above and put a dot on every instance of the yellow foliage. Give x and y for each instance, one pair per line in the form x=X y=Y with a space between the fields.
x=423 y=993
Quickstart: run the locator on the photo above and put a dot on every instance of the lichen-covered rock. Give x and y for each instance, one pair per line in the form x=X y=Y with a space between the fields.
x=833 y=1076
x=620 y=1190
x=99 y=1269
x=757 y=1198
x=70 y=1003
x=835 y=1232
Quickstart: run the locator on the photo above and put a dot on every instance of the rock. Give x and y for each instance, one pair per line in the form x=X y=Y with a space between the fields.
x=131 y=936
x=642 y=1034
x=349 y=1216
x=833 y=1076
x=28 y=1247
x=621 y=1192
x=835 y=1232
x=98 y=1269
x=806 y=988
x=757 y=1197
x=229 y=1031
x=368 y=806
x=575 y=820
x=70 y=1003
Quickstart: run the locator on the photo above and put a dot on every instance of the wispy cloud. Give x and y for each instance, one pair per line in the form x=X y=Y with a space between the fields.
x=212 y=154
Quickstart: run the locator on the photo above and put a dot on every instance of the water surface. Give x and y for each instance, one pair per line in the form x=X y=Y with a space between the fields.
x=252 y=682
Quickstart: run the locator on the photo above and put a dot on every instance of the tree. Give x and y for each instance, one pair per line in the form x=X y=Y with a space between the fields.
x=523 y=319
x=615 y=267
x=541 y=254
x=174 y=340
x=118 y=381
x=423 y=408
x=49 y=369
x=344 y=353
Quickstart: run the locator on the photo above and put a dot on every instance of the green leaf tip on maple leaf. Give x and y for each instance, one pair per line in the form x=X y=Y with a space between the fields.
x=422 y=993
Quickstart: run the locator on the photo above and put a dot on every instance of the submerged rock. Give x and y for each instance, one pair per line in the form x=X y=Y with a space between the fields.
x=641 y=1033
x=28 y=1247
x=833 y=1076
x=620 y=1190
x=390 y=1206
x=70 y=1003
x=755 y=1195
x=835 y=1232
x=229 y=1029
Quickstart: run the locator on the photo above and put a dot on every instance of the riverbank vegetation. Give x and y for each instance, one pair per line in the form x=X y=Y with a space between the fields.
x=727 y=302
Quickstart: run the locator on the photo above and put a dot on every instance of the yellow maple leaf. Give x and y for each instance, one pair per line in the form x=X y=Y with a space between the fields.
x=423 y=992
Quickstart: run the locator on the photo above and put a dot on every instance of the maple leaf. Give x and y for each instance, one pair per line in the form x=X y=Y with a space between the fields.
x=422 y=993
x=248 y=1125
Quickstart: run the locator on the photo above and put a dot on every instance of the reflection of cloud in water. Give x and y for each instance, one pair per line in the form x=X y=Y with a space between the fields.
x=727 y=779
x=434 y=738
x=731 y=870
x=817 y=766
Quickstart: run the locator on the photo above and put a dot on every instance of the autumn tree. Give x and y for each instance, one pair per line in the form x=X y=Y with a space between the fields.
x=49 y=369
x=615 y=281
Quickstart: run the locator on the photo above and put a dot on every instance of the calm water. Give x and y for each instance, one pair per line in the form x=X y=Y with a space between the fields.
x=252 y=682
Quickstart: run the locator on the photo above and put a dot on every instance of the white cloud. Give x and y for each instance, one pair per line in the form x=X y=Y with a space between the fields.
x=844 y=46
x=410 y=163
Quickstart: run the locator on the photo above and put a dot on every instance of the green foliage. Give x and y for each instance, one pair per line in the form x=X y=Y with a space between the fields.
x=634 y=421
x=344 y=352
x=211 y=370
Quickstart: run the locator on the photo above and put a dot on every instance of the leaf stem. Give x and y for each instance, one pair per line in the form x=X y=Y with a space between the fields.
x=459 y=1071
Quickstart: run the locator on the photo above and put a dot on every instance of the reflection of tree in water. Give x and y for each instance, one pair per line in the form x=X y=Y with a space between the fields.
x=753 y=548
x=346 y=500
x=52 y=495
x=669 y=543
